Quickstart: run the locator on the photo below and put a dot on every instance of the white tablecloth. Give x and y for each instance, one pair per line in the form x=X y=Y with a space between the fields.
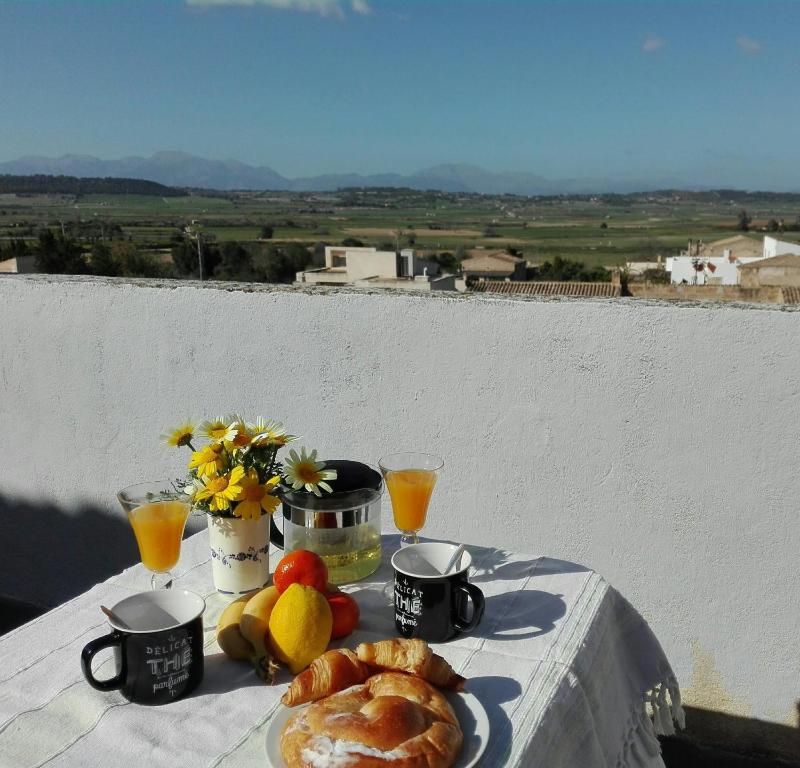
x=565 y=668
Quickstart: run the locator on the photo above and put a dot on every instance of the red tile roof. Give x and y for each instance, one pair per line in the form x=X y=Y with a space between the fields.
x=528 y=288
x=791 y=295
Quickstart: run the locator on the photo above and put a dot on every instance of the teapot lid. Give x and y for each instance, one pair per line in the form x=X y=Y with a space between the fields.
x=356 y=484
x=352 y=476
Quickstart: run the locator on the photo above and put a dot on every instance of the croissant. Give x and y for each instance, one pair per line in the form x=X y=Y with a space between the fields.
x=332 y=672
x=412 y=656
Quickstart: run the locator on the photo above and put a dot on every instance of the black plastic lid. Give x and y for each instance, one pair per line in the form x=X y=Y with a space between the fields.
x=352 y=476
x=356 y=484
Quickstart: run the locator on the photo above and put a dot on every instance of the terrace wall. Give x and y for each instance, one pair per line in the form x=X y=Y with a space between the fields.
x=656 y=443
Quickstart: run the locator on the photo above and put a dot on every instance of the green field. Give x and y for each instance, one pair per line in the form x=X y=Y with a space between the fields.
x=637 y=228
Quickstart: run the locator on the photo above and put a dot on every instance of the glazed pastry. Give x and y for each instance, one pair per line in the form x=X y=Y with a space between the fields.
x=392 y=721
x=412 y=656
x=332 y=672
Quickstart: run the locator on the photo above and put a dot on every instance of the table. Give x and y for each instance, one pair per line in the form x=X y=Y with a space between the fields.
x=565 y=667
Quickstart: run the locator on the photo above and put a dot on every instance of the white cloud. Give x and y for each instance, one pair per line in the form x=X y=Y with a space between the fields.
x=748 y=45
x=361 y=7
x=653 y=43
x=322 y=7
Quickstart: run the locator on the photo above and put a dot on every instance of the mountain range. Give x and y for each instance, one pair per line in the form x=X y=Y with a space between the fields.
x=179 y=169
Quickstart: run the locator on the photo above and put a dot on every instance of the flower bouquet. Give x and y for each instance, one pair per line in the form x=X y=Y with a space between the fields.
x=235 y=478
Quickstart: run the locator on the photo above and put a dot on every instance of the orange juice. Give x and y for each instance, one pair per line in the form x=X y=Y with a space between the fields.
x=410 y=491
x=159 y=530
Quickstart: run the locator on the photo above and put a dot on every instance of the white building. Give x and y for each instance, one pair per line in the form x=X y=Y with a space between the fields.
x=773 y=247
x=714 y=263
x=368 y=267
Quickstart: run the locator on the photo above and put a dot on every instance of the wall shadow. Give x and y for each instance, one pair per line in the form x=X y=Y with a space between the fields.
x=50 y=553
x=720 y=739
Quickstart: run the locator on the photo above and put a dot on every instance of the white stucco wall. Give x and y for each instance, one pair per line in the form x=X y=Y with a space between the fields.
x=775 y=247
x=655 y=443
x=726 y=273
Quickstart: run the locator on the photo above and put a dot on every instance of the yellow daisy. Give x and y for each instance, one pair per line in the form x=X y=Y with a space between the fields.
x=270 y=433
x=255 y=497
x=304 y=471
x=222 y=490
x=218 y=430
x=209 y=460
x=244 y=432
x=183 y=434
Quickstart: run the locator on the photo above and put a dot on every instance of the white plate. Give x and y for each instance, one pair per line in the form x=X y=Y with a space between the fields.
x=470 y=713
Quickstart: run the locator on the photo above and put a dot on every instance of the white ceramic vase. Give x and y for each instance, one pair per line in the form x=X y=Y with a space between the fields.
x=239 y=553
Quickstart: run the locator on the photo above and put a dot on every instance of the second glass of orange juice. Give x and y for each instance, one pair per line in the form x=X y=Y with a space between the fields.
x=157 y=513
x=410 y=479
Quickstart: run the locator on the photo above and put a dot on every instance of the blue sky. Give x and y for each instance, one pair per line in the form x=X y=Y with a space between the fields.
x=702 y=90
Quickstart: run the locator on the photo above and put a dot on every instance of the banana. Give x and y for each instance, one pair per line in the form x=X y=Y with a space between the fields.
x=254 y=627
x=229 y=635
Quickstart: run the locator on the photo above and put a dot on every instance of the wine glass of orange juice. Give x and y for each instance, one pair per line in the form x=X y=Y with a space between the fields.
x=157 y=513
x=410 y=479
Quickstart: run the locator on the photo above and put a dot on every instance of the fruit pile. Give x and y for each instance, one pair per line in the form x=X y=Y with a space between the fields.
x=290 y=622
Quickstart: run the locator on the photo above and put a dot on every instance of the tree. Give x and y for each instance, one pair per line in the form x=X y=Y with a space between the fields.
x=319 y=254
x=103 y=262
x=135 y=262
x=773 y=225
x=16 y=248
x=656 y=275
x=744 y=220
x=571 y=271
x=59 y=255
x=352 y=242
x=186 y=262
x=234 y=263
x=280 y=264
x=266 y=232
x=447 y=261
x=603 y=225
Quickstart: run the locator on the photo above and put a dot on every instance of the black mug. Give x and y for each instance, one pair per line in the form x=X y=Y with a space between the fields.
x=428 y=604
x=158 y=646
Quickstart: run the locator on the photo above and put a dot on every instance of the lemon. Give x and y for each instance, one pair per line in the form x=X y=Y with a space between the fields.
x=300 y=626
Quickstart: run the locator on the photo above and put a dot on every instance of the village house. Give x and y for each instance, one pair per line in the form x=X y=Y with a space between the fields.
x=367 y=267
x=494 y=265
x=715 y=263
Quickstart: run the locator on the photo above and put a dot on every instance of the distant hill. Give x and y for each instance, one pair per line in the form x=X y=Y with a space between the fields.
x=179 y=169
x=41 y=184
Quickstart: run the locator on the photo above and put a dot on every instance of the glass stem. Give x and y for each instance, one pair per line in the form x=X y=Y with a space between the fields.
x=408 y=537
x=161 y=580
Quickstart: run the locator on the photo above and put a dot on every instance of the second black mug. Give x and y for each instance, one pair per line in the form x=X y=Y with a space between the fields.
x=431 y=605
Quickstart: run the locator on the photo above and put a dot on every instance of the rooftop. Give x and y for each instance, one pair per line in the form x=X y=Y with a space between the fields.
x=537 y=288
x=785 y=260
x=791 y=295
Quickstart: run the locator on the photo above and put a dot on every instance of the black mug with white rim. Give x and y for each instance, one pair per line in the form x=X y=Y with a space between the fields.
x=428 y=603
x=157 y=638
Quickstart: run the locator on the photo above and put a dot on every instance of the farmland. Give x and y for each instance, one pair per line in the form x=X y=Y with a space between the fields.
x=603 y=230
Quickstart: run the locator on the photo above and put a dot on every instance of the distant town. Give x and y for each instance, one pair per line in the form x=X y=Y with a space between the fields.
x=724 y=245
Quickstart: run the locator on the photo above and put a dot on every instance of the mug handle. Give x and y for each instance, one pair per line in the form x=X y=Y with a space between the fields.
x=478 y=604
x=87 y=654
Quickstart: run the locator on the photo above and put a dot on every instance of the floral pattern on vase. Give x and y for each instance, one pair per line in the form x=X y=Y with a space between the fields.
x=239 y=553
